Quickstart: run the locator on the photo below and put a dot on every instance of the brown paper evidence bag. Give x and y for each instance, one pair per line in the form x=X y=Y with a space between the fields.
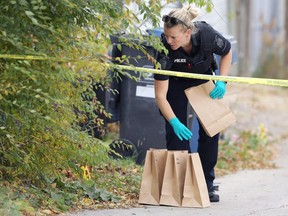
x=173 y=178
x=214 y=115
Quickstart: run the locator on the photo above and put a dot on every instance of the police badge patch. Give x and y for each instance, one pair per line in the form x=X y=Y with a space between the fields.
x=219 y=42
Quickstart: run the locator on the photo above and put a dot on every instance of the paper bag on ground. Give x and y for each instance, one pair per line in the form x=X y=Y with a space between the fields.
x=214 y=115
x=173 y=180
x=152 y=177
x=195 y=192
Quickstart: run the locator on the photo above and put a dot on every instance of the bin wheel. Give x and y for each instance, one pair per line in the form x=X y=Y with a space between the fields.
x=123 y=148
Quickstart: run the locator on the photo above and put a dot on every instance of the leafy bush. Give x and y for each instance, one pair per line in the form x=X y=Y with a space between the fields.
x=41 y=105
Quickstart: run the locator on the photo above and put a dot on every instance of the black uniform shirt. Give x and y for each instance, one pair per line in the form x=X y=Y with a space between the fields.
x=205 y=42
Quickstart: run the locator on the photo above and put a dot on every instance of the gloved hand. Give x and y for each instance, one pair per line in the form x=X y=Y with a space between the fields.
x=180 y=129
x=219 y=90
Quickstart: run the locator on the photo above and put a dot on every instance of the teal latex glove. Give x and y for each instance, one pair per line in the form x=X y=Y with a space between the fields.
x=180 y=129
x=219 y=90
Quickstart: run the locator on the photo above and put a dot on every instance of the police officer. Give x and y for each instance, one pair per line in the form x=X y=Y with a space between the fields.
x=190 y=46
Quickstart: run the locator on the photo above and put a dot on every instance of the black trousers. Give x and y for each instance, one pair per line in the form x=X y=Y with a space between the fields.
x=207 y=146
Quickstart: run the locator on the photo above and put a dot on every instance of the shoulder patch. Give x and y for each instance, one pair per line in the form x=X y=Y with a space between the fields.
x=219 y=42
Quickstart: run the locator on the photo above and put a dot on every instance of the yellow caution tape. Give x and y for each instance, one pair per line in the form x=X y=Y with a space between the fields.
x=247 y=80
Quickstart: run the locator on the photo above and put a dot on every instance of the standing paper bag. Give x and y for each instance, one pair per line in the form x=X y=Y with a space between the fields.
x=152 y=176
x=173 y=180
x=214 y=115
x=195 y=192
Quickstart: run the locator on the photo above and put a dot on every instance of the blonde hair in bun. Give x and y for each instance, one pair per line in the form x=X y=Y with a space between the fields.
x=186 y=14
x=191 y=11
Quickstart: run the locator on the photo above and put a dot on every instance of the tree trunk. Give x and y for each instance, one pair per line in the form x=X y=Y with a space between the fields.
x=243 y=36
x=286 y=39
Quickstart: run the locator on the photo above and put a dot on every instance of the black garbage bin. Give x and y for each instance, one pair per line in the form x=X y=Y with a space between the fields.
x=140 y=122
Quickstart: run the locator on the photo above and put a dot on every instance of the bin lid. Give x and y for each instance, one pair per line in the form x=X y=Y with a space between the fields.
x=157 y=31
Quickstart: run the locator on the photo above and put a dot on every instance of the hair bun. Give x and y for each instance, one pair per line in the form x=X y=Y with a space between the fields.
x=192 y=11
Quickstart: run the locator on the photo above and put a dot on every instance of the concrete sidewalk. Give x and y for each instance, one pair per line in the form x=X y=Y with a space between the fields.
x=253 y=192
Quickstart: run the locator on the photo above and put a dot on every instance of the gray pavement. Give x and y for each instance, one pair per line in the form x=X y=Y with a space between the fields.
x=249 y=192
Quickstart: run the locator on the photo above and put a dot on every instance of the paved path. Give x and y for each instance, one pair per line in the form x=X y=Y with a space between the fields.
x=246 y=193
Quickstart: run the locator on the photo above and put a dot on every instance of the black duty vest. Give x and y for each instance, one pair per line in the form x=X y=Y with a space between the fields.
x=203 y=60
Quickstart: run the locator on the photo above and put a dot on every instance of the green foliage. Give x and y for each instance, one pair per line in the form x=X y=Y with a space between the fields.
x=248 y=150
x=66 y=192
x=41 y=102
x=58 y=195
x=11 y=204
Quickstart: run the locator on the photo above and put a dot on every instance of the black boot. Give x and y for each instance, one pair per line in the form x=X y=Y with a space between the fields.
x=212 y=195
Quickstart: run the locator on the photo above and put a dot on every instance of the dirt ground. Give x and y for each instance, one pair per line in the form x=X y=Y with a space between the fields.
x=254 y=105
x=248 y=192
